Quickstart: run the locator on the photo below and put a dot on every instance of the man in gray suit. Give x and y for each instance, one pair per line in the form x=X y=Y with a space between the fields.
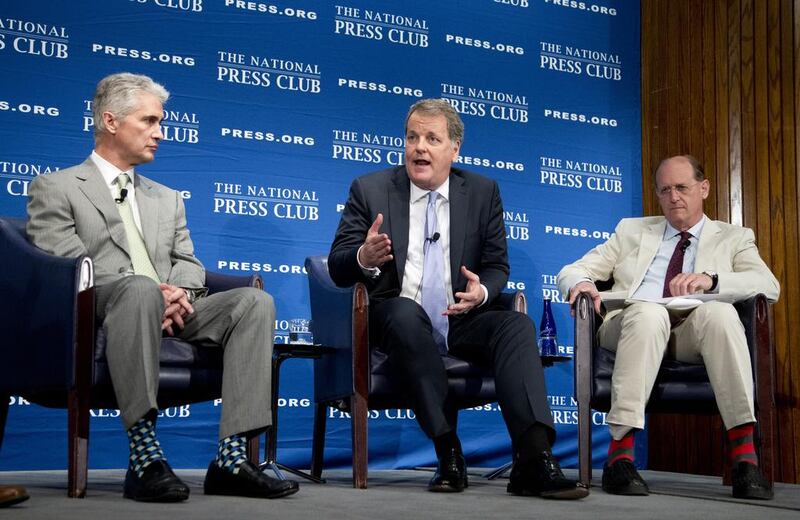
x=680 y=253
x=150 y=283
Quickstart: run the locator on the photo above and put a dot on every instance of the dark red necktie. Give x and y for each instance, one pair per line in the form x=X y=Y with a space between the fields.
x=675 y=266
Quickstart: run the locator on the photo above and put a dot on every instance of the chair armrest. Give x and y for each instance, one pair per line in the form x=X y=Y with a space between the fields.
x=512 y=301
x=38 y=313
x=333 y=325
x=219 y=282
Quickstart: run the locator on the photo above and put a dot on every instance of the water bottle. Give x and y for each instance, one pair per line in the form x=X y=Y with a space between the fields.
x=548 y=344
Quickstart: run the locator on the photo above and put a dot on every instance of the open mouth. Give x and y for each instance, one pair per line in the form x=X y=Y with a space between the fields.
x=421 y=162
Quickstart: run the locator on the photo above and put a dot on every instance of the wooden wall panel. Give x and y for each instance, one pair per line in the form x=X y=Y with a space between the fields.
x=721 y=80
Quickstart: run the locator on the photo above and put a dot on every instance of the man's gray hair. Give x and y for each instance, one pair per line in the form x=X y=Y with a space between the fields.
x=440 y=107
x=119 y=94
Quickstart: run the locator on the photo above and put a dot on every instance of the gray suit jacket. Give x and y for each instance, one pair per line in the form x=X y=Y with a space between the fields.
x=728 y=250
x=72 y=213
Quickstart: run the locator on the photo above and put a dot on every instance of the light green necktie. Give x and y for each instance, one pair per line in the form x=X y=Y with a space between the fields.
x=139 y=257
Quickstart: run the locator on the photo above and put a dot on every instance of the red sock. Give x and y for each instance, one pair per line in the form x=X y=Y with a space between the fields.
x=621 y=449
x=740 y=443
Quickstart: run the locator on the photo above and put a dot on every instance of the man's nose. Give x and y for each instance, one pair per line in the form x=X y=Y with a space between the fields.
x=159 y=134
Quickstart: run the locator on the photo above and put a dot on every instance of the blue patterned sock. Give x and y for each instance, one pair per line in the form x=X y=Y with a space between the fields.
x=144 y=445
x=232 y=453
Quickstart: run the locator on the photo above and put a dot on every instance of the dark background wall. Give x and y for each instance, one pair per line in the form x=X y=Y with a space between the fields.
x=721 y=80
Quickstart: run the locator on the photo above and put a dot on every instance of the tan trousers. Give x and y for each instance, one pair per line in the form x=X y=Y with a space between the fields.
x=642 y=335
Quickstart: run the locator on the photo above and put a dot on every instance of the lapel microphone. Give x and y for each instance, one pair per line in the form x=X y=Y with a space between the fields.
x=684 y=246
x=432 y=239
x=124 y=193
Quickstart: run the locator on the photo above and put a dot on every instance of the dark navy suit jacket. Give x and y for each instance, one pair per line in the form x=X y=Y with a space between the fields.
x=477 y=231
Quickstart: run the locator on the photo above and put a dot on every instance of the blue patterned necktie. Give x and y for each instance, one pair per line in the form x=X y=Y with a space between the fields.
x=434 y=298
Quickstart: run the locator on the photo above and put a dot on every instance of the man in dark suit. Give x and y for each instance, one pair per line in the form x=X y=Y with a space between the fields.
x=429 y=242
x=149 y=281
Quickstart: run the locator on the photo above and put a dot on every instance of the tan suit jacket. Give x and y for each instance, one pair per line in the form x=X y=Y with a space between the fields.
x=72 y=213
x=728 y=250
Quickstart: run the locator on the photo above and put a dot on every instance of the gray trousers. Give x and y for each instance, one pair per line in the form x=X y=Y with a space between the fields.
x=642 y=335
x=240 y=321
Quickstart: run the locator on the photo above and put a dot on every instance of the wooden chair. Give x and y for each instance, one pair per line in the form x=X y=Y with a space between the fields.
x=54 y=352
x=354 y=378
x=679 y=387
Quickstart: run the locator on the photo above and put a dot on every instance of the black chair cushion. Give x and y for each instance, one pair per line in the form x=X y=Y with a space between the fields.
x=455 y=367
x=174 y=353
x=679 y=387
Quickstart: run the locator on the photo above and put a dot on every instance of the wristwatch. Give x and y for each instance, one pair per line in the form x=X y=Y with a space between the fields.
x=193 y=294
x=714 y=279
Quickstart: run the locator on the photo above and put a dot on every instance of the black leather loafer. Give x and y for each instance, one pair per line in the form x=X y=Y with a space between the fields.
x=249 y=482
x=543 y=478
x=451 y=474
x=157 y=484
x=10 y=495
x=749 y=482
x=621 y=478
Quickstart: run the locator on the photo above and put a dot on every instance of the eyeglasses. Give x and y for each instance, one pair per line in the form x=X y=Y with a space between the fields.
x=682 y=189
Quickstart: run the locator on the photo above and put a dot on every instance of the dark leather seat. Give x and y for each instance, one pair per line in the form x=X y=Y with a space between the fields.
x=679 y=387
x=54 y=352
x=354 y=377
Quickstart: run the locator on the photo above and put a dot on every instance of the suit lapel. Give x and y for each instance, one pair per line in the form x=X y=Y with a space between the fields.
x=649 y=244
x=148 y=213
x=399 y=195
x=704 y=260
x=459 y=209
x=96 y=191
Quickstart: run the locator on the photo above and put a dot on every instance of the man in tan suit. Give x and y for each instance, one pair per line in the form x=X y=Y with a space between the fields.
x=681 y=253
x=149 y=281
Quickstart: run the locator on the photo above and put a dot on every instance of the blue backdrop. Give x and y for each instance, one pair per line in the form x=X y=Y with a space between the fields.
x=277 y=105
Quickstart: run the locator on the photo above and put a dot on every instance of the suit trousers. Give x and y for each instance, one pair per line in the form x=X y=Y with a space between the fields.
x=504 y=340
x=240 y=321
x=643 y=334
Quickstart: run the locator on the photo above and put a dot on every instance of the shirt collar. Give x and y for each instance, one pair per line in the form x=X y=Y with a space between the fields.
x=670 y=232
x=418 y=193
x=109 y=171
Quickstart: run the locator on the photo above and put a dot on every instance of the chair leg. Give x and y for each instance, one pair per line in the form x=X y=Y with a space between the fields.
x=358 y=420
x=584 y=338
x=253 y=449
x=79 y=398
x=318 y=442
x=4 y=398
x=78 y=445
x=727 y=471
x=765 y=394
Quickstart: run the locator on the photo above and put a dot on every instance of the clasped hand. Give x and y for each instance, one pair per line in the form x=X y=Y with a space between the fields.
x=177 y=305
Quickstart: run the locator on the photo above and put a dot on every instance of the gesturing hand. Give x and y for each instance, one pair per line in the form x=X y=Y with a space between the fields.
x=471 y=297
x=377 y=247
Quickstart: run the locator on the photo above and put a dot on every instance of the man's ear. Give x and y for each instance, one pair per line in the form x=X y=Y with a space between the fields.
x=110 y=122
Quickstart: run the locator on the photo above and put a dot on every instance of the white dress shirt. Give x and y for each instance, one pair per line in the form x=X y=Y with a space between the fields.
x=652 y=286
x=415 y=255
x=110 y=174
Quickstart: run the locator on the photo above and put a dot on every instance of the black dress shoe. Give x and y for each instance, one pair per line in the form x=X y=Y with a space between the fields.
x=157 y=484
x=10 y=495
x=543 y=477
x=621 y=478
x=249 y=482
x=451 y=474
x=749 y=482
